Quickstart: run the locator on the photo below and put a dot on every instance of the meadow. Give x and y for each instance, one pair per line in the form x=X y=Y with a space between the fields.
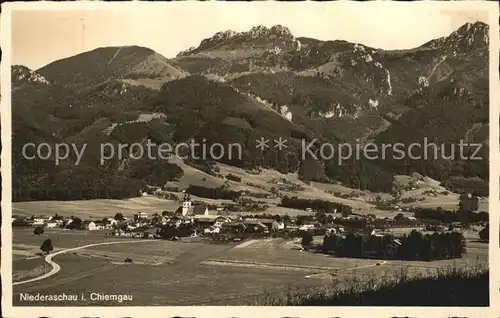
x=200 y=273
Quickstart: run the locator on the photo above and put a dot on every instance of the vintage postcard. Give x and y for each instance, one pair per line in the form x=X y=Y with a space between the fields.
x=307 y=159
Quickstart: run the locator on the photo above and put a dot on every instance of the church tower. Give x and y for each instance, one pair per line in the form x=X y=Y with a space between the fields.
x=186 y=204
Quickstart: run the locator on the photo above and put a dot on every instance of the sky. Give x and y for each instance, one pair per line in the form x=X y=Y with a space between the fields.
x=41 y=37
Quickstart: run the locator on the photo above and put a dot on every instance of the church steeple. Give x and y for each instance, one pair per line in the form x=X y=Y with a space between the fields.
x=186 y=204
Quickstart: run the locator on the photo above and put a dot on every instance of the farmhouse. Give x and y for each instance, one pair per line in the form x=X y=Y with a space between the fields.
x=177 y=220
x=234 y=227
x=205 y=221
x=40 y=219
x=255 y=225
x=51 y=224
x=212 y=229
x=89 y=225
x=140 y=215
x=277 y=226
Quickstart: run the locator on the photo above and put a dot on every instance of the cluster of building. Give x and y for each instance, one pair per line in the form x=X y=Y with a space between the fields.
x=198 y=217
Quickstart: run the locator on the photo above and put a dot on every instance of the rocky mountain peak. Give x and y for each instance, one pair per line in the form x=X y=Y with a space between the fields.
x=468 y=36
x=275 y=33
x=471 y=32
x=472 y=28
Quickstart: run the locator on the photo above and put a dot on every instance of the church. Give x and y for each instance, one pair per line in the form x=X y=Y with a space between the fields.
x=188 y=210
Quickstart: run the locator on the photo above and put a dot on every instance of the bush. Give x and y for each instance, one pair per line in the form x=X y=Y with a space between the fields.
x=233 y=177
x=47 y=246
x=484 y=234
x=307 y=239
x=38 y=230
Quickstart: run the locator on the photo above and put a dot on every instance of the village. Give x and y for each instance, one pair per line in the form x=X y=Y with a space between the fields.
x=195 y=219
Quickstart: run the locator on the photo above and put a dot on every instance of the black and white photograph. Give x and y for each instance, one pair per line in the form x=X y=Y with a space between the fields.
x=248 y=154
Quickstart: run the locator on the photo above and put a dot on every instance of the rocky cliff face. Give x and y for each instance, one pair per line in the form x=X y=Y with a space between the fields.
x=266 y=82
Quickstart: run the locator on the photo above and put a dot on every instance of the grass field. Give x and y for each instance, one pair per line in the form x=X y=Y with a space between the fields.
x=195 y=273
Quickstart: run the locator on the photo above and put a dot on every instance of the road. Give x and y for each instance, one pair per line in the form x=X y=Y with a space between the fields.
x=56 y=267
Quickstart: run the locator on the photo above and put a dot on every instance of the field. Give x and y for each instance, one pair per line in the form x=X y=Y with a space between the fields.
x=196 y=272
x=192 y=272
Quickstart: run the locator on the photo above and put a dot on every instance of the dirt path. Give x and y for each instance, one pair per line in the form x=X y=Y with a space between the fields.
x=56 y=267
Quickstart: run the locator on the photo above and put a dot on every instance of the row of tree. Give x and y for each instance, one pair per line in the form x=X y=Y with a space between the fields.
x=213 y=193
x=415 y=246
x=447 y=216
x=316 y=205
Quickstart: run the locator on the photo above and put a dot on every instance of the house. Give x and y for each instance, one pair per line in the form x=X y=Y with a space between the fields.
x=108 y=223
x=267 y=222
x=212 y=230
x=40 y=219
x=220 y=220
x=178 y=220
x=306 y=227
x=292 y=228
x=140 y=215
x=100 y=224
x=205 y=221
x=51 y=224
x=89 y=225
x=234 y=227
x=277 y=226
x=255 y=225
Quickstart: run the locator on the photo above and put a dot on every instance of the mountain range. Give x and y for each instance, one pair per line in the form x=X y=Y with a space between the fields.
x=241 y=86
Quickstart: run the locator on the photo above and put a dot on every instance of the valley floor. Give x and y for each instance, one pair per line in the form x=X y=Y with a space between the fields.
x=191 y=271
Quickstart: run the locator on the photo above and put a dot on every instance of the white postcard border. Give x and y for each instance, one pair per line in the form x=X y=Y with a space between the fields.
x=244 y=311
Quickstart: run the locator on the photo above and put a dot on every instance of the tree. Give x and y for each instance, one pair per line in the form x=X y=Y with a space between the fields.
x=47 y=246
x=399 y=217
x=119 y=217
x=484 y=234
x=38 y=230
x=156 y=219
x=329 y=219
x=76 y=223
x=287 y=219
x=307 y=239
x=346 y=212
x=321 y=217
x=57 y=217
